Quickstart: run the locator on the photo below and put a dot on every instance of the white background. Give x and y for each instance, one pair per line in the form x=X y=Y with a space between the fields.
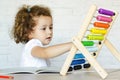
x=68 y=16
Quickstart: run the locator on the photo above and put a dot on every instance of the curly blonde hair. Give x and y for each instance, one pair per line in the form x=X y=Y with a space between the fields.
x=24 y=21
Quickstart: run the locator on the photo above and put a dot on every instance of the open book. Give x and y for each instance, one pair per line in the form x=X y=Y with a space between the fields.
x=29 y=70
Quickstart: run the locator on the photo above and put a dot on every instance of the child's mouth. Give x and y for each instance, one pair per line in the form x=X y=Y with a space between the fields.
x=49 y=38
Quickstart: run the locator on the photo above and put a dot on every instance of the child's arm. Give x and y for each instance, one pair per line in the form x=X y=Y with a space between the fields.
x=51 y=51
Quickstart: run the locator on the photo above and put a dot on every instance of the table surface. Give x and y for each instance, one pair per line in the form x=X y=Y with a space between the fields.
x=76 y=75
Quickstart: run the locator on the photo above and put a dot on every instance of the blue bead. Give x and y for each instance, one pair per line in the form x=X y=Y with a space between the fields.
x=76 y=62
x=77 y=56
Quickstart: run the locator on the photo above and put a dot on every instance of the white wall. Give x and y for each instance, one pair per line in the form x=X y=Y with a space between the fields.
x=68 y=16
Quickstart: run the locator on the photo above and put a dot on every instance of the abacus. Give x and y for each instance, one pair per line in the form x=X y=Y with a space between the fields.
x=90 y=40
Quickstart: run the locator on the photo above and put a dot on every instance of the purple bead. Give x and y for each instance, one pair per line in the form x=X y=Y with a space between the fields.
x=106 y=12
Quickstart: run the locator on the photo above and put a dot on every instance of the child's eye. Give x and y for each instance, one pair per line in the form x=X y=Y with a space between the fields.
x=51 y=28
x=42 y=28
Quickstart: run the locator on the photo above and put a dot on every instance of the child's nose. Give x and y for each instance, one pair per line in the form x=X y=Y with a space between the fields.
x=49 y=31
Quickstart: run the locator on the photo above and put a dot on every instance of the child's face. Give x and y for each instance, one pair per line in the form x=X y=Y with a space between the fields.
x=43 y=29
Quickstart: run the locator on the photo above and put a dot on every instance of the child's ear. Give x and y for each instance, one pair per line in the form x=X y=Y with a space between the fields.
x=30 y=36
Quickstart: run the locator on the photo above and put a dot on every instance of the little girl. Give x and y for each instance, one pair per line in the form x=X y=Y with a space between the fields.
x=34 y=28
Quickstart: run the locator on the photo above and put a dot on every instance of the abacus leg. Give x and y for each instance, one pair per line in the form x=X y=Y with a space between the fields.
x=90 y=58
x=68 y=61
x=112 y=49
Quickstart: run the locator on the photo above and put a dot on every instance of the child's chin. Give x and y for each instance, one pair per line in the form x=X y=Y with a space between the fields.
x=46 y=43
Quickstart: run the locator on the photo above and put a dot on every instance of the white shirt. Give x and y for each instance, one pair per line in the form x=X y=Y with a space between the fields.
x=28 y=60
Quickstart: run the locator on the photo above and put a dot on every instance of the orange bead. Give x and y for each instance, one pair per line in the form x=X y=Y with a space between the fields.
x=101 y=25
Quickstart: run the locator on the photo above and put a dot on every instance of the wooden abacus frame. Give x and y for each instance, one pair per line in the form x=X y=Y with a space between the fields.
x=79 y=46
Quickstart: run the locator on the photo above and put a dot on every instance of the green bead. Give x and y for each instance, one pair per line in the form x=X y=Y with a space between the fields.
x=88 y=43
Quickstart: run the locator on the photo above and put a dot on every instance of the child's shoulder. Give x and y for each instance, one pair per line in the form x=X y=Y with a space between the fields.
x=33 y=42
